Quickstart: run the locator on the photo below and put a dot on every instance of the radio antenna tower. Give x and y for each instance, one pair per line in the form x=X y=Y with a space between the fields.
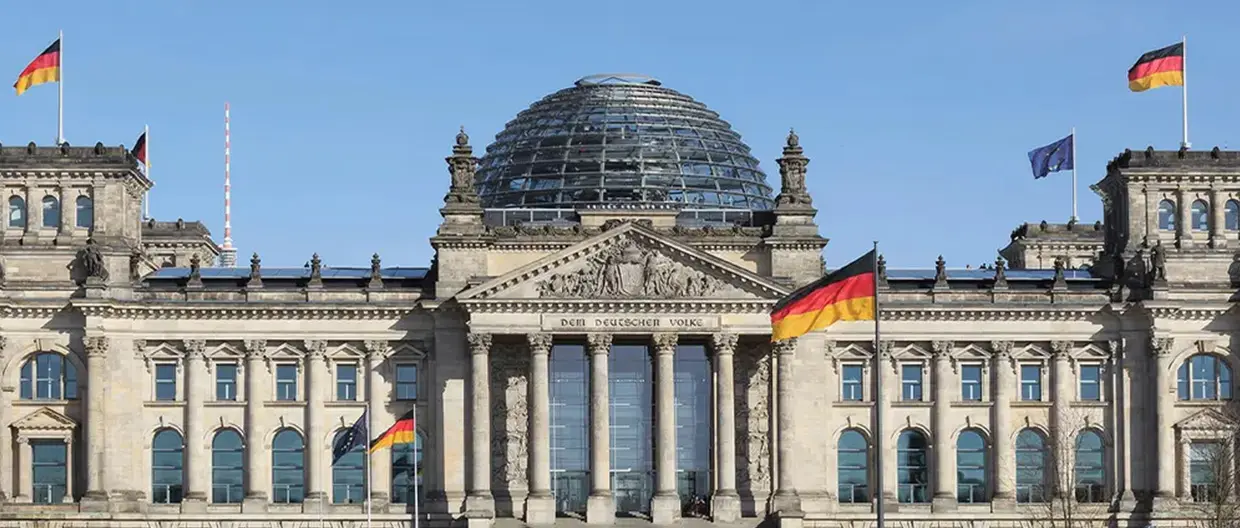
x=228 y=254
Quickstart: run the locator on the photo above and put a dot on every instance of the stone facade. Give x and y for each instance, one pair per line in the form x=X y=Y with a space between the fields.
x=140 y=349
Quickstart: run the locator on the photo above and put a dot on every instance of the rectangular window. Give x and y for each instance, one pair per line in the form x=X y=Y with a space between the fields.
x=407 y=382
x=910 y=381
x=1091 y=382
x=286 y=382
x=49 y=471
x=971 y=383
x=165 y=382
x=1031 y=383
x=346 y=382
x=1204 y=461
x=226 y=382
x=851 y=388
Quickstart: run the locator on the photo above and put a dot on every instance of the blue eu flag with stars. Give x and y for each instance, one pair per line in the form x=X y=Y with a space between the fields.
x=1052 y=158
x=358 y=435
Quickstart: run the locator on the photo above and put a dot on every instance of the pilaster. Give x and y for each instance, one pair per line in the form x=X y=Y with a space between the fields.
x=257 y=475
x=317 y=387
x=600 y=506
x=944 y=482
x=665 y=504
x=197 y=465
x=540 y=504
x=725 y=504
x=479 y=499
x=1004 y=368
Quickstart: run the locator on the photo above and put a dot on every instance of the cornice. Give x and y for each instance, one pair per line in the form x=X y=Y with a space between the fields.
x=989 y=313
x=635 y=306
x=1187 y=313
x=244 y=312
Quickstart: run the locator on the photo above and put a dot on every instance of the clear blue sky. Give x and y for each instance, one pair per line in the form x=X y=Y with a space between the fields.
x=917 y=116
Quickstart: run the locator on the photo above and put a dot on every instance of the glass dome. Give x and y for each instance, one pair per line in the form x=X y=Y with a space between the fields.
x=620 y=140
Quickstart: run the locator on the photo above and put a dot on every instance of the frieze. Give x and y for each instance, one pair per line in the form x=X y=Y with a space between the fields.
x=630 y=269
x=653 y=323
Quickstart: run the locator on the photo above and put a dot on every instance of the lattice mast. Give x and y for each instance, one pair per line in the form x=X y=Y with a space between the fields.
x=228 y=254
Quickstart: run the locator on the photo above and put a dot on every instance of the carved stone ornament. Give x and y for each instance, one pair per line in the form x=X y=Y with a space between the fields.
x=1061 y=349
x=90 y=259
x=1158 y=264
x=256 y=272
x=942 y=350
x=723 y=343
x=1001 y=354
x=509 y=416
x=1161 y=346
x=665 y=343
x=255 y=348
x=195 y=271
x=598 y=343
x=97 y=346
x=753 y=410
x=880 y=265
x=940 y=273
x=792 y=169
x=1058 y=281
x=376 y=347
x=628 y=269
x=316 y=349
x=462 y=165
x=786 y=346
x=316 y=270
x=376 y=273
x=194 y=348
x=1000 y=274
x=479 y=343
x=539 y=343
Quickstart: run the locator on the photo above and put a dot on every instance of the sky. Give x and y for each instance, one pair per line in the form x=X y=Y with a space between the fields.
x=917 y=116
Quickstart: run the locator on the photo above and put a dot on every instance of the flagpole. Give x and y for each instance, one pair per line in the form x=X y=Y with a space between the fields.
x=146 y=133
x=417 y=468
x=60 y=93
x=1074 y=218
x=1184 y=89
x=878 y=397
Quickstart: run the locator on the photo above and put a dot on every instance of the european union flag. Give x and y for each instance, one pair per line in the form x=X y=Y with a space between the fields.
x=358 y=435
x=1052 y=158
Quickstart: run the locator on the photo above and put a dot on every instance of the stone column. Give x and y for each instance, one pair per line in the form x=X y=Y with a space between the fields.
x=884 y=372
x=68 y=210
x=25 y=470
x=1185 y=216
x=785 y=501
x=1123 y=405
x=317 y=387
x=34 y=211
x=479 y=502
x=197 y=452
x=540 y=504
x=600 y=507
x=380 y=466
x=1164 y=404
x=257 y=476
x=944 y=467
x=725 y=504
x=96 y=428
x=665 y=504
x=1218 y=220
x=1004 y=368
x=1061 y=428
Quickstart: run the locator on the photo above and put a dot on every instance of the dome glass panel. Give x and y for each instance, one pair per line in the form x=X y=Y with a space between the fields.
x=620 y=139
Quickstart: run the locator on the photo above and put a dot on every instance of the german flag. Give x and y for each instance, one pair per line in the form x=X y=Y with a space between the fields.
x=43 y=69
x=139 y=149
x=401 y=432
x=847 y=294
x=1158 y=68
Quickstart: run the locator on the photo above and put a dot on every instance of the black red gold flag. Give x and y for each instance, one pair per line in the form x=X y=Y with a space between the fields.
x=401 y=432
x=847 y=294
x=43 y=69
x=1158 y=68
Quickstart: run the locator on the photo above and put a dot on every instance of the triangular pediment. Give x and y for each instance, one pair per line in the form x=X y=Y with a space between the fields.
x=1207 y=420
x=629 y=262
x=45 y=419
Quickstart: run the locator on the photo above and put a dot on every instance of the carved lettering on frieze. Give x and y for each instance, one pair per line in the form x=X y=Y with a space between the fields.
x=630 y=269
x=753 y=404
x=509 y=415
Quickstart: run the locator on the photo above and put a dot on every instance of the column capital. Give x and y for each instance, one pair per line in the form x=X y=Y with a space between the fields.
x=886 y=349
x=1160 y=347
x=942 y=350
x=1061 y=350
x=255 y=348
x=786 y=346
x=723 y=343
x=1001 y=349
x=316 y=349
x=598 y=343
x=479 y=343
x=97 y=346
x=539 y=343
x=665 y=343
x=194 y=349
x=375 y=347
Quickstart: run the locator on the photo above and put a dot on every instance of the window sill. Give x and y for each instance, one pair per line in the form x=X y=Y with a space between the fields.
x=285 y=403
x=345 y=403
x=853 y=403
x=164 y=403
x=1032 y=404
x=1190 y=403
x=970 y=403
x=915 y=403
x=223 y=403
x=1088 y=404
x=41 y=403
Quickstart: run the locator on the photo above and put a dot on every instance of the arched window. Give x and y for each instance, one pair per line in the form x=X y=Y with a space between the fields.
x=912 y=472
x=17 y=211
x=1231 y=216
x=288 y=467
x=971 y=485
x=1166 y=215
x=854 y=467
x=348 y=474
x=48 y=376
x=1030 y=467
x=1089 y=474
x=167 y=463
x=1200 y=220
x=227 y=467
x=85 y=212
x=1204 y=377
x=51 y=212
x=407 y=472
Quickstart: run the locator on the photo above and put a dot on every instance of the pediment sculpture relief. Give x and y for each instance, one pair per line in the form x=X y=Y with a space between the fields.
x=628 y=269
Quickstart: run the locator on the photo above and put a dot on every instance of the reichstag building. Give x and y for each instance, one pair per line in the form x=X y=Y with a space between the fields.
x=591 y=344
